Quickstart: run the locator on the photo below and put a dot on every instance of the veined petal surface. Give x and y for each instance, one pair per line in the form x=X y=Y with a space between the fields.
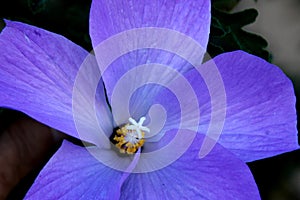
x=38 y=70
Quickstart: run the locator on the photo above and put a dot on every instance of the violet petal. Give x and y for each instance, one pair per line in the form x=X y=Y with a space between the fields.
x=38 y=70
x=260 y=113
x=219 y=175
x=73 y=173
x=108 y=18
x=191 y=19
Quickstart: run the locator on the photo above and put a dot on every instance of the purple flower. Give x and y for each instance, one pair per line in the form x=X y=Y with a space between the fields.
x=56 y=82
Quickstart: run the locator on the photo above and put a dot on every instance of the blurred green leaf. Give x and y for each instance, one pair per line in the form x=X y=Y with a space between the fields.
x=227 y=34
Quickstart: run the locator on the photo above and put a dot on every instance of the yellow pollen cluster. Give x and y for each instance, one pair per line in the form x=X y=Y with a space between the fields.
x=127 y=146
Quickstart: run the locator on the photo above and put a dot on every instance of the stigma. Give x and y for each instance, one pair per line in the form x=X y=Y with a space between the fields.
x=130 y=137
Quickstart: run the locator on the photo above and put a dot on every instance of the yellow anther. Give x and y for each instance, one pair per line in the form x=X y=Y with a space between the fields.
x=128 y=140
x=130 y=137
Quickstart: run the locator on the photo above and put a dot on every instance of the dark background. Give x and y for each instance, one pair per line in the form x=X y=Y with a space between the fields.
x=277 y=177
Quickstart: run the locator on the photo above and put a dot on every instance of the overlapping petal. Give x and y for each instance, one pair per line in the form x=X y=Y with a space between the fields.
x=219 y=175
x=38 y=70
x=73 y=173
x=260 y=106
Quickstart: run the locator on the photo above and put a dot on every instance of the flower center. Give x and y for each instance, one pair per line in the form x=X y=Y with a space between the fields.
x=130 y=137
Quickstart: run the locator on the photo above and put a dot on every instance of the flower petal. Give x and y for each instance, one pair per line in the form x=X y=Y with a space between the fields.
x=111 y=17
x=38 y=70
x=260 y=114
x=73 y=173
x=219 y=175
x=156 y=32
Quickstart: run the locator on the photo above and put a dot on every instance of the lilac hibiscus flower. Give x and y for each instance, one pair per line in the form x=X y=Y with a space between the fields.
x=42 y=76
